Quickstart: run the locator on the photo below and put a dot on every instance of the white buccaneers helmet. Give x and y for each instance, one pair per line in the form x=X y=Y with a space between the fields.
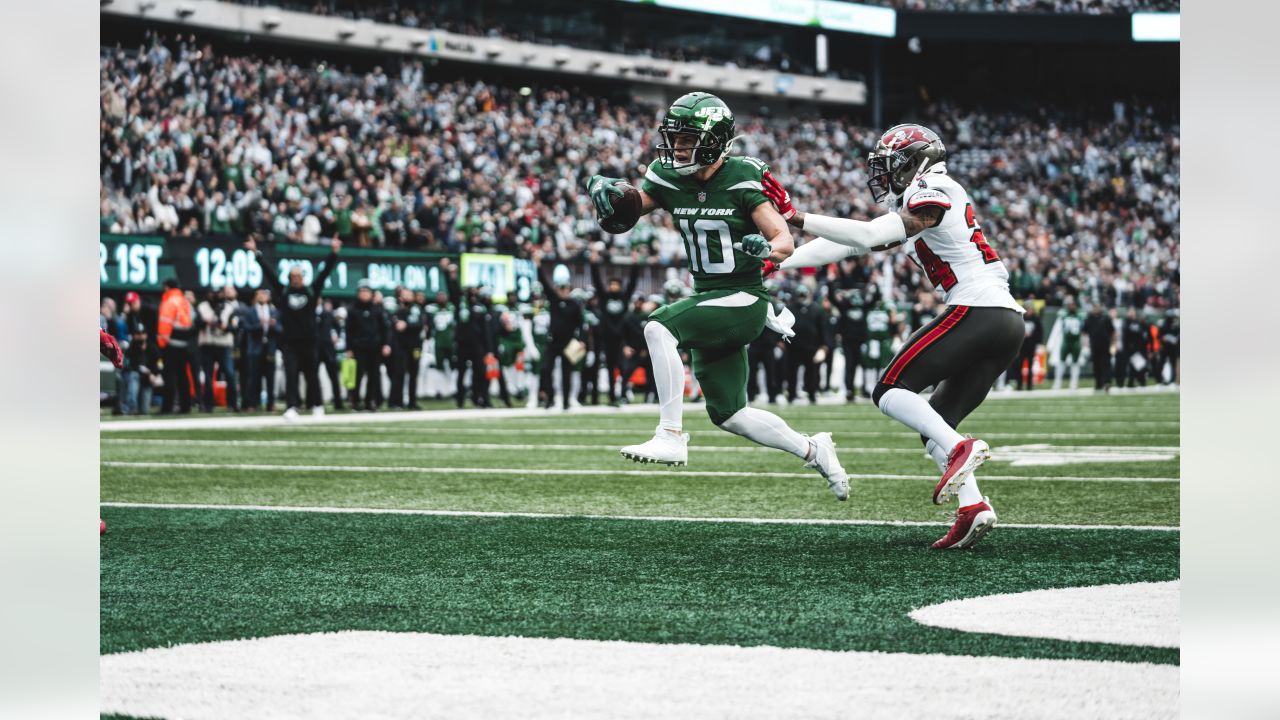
x=900 y=155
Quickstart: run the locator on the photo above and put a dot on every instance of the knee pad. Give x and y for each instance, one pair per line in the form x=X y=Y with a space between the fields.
x=720 y=416
x=881 y=389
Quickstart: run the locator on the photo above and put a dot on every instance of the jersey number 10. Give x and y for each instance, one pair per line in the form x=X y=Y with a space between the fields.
x=700 y=251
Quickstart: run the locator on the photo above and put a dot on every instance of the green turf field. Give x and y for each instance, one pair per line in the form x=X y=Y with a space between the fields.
x=536 y=527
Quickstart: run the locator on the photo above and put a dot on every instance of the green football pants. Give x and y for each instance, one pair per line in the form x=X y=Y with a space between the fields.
x=716 y=327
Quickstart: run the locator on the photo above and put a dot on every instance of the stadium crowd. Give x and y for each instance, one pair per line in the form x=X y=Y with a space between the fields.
x=595 y=26
x=428 y=15
x=195 y=142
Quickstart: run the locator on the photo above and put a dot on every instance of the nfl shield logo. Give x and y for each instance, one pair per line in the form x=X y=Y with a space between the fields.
x=702 y=197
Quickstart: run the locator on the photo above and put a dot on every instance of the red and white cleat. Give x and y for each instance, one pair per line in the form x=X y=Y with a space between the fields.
x=972 y=523
x=966 y=457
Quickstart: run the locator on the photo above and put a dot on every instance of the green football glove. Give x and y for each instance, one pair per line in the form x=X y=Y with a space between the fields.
x=754 y=245
x=600 y=188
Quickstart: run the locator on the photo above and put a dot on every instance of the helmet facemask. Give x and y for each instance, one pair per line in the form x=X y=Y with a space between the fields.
x=902 y=153
x=704 y=150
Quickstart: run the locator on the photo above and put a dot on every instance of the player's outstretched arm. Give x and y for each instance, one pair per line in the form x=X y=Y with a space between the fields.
x=819 y=252
x=884 y=232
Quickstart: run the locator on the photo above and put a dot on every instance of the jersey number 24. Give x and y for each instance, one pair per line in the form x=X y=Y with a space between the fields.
x=938 y=270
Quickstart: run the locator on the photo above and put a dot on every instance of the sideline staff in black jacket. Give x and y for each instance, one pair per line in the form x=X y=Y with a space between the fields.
x=297 y=304
x=614 y=304
x=368 y=341
x=566 y=322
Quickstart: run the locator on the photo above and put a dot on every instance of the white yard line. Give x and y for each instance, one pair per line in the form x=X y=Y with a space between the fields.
x=381 y=445
x=195 y=422
x=594 y=472
x=655 y=518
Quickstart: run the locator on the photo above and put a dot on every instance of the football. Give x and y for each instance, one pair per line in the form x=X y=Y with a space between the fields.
x=626 y=212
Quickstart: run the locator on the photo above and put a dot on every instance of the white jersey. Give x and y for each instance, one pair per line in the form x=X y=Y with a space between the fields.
x=955 y=254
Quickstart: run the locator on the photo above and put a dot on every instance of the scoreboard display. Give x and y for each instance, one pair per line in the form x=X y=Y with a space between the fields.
x=144 y=262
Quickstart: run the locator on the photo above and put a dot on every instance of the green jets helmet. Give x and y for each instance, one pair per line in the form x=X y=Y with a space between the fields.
x=707 y=120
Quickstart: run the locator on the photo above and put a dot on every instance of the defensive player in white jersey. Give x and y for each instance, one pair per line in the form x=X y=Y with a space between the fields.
x=972 y=340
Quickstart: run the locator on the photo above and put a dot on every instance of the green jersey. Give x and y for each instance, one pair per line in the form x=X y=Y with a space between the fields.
x=879 y=322
x=442 y=323
x=1072 y=328
x=879 y=345
x=711 y=217
x=1072 y=325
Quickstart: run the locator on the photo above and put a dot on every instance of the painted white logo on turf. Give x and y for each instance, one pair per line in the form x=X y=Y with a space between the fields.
x=1133 y=614
x=1045 y=454
x=366 y=674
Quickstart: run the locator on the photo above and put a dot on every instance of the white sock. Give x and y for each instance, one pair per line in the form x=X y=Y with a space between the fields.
x=1057 y=376
x=765 y=428
x=969 y=492
x=937 y=453
x=668 y=374
x=913 y=411
x=1075 y=376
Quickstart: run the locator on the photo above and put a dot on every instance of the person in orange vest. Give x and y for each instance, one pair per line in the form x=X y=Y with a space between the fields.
x=175 y=335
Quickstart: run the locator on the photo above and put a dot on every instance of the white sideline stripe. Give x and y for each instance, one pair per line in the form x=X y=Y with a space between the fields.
x=425 y=676
x=654 y=518
x=371 y=444
x=436 y=430
x=191 y=423
x=391 y=445
x=595 y=472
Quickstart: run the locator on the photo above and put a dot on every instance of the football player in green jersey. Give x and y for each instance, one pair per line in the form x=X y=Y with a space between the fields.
x=440 y=378
x=729 y=230
x=882 y=324
x=1067 y=331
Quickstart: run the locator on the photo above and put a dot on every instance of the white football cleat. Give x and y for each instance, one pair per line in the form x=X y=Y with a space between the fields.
x=290 y=415
x=664 y=448
x=317 y=411
x=825 y=462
